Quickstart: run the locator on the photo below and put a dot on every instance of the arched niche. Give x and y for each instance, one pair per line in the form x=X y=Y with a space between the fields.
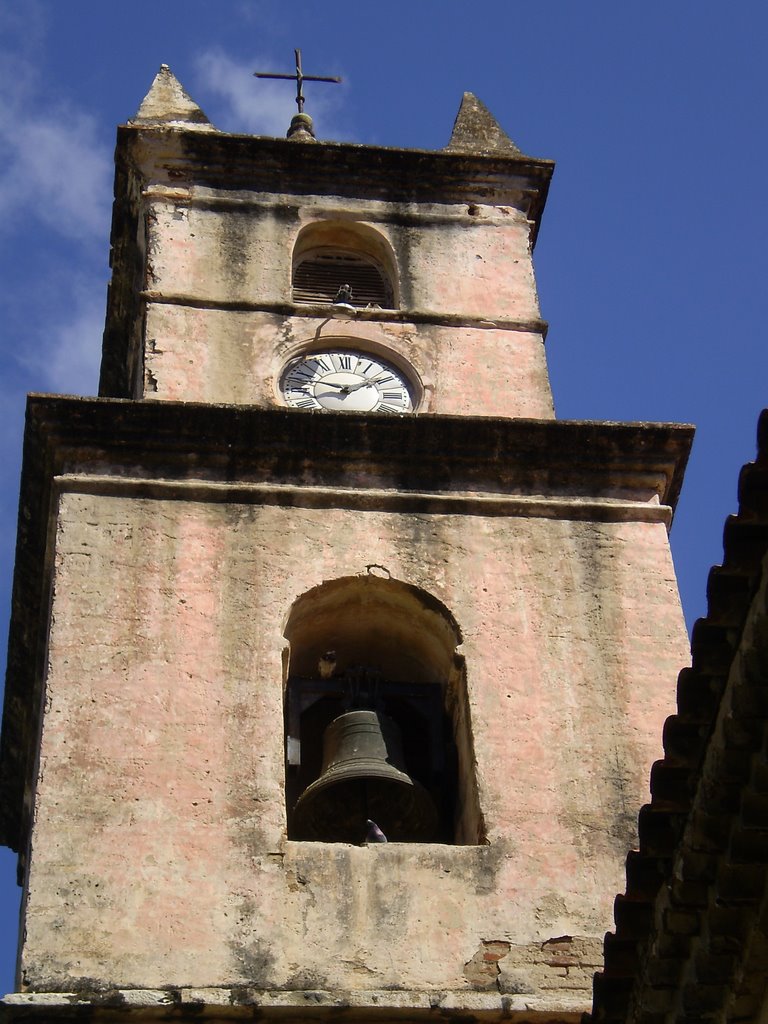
x=409 y=634
x=407 y=640
x=330 y=253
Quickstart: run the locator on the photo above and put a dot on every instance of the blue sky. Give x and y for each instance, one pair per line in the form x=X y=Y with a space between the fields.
x=650 y=261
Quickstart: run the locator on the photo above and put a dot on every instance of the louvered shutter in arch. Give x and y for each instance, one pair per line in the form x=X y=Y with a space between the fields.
x=318 y=276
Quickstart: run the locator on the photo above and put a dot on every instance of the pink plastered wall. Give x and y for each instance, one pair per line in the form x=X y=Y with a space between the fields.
x=226 y=357
x=467 y=327
x=159 y=810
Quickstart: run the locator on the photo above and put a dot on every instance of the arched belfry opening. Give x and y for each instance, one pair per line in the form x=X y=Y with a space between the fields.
x=329 y=255
x=376 y=717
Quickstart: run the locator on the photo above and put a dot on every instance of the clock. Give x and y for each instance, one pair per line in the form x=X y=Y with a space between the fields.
x=345 y=380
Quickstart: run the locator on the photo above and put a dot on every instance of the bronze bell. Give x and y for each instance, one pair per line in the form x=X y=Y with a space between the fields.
x=363 y=776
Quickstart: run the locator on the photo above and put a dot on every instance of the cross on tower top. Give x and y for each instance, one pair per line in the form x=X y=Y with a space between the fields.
x=299 y=78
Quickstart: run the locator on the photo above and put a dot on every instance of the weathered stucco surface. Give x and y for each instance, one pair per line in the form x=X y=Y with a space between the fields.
x=208 y=228
x=209 y=257
x=160 y=856
x=228 y=357
x=453 y=259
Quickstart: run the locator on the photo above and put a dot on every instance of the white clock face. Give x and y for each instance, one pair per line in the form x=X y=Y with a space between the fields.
x=345 y=381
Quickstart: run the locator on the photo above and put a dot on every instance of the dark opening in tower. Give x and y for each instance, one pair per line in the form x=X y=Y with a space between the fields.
x=318 y=277
x=330 y=255
x=376 y=717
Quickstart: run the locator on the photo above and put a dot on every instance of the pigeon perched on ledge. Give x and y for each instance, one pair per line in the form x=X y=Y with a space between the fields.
x=374 y=833
x=343 y=296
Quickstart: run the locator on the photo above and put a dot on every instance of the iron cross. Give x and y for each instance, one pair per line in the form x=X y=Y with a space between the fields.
x=299 y=78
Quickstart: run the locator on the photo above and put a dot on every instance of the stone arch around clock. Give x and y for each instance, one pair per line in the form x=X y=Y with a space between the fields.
x=331 y=253
x=409 y=639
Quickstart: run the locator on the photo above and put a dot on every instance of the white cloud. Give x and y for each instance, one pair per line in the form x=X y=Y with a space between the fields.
x=57 y=342
x=55 y=196
x=69 y=358
x=54 y=169
x=266 y=112
x=262 y=106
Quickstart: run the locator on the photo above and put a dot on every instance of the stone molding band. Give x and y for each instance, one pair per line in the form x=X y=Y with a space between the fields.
x=370 y=499
x=320 y=311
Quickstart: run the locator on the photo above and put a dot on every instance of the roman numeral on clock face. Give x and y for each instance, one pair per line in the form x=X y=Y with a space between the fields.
x=345 y=380
x=299 y=376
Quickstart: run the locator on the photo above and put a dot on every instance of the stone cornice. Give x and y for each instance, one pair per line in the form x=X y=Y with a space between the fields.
x=370 y=499
x=176 y=156
x=247 y=444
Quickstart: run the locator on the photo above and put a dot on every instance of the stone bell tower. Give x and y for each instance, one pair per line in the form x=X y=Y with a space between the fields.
x=324 y=479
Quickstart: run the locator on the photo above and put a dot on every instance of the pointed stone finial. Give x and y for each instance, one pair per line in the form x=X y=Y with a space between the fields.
x=168 y=103
x=476 y=130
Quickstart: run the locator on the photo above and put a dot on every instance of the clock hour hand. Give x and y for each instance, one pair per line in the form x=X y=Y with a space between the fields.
x=347 y=389
x=340 y=393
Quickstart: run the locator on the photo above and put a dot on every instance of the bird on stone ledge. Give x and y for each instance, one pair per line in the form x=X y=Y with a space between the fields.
x=344 y=295
x=374 y=833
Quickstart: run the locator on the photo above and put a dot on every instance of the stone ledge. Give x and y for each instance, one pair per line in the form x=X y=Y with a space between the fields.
x=408 y=452
x=371 y=498
x=167 y=156
x=320 y=311
x=236 y=1003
